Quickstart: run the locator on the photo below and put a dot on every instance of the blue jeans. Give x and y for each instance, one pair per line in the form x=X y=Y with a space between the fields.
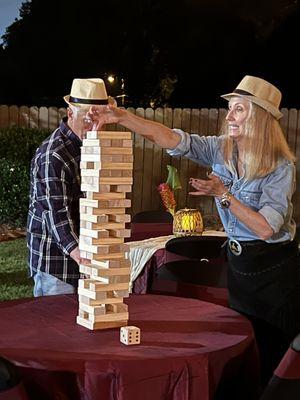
x=48 y=285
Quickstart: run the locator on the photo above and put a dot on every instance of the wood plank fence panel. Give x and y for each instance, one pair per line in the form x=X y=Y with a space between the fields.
x=13 y=116
x=177 y=123
x=4 y=116
x=183 y=196
x=166 y=159
x=53 y=118
x=43 y=118
x=138 y=156
x=33 y=117
x=148 y=183
x=157 y=163
x=150 y=162
x=24 y=117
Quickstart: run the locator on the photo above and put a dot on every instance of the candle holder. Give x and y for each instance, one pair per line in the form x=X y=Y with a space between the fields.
x=188 y=222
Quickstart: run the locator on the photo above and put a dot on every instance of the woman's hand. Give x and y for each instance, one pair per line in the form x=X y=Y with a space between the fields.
x=213 y=186
x=101 y=115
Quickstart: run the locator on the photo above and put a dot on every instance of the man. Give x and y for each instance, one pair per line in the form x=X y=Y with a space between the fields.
x=53 y=218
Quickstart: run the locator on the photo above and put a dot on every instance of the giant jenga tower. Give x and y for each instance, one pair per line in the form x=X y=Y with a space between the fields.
x=106 y=175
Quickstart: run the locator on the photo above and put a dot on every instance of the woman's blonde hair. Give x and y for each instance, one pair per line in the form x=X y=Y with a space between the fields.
x=265 y=144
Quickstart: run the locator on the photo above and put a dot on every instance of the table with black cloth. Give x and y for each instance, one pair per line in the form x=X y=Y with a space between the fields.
x=145 y=282
x=189 y=350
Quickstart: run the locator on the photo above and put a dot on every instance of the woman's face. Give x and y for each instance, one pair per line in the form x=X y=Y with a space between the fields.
x=237 y=115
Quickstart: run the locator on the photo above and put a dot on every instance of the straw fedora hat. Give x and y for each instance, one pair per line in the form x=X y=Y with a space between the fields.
x=260 y=92
x=89 y=91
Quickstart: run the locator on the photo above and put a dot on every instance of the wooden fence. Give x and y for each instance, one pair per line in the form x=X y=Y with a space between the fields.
x=150 y=161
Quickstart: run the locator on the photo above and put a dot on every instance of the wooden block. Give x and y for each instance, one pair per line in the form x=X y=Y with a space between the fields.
x=96 y=234
x=119 y=218
x=90 y=293
x=117 y=165
x=89 y=150
x=109 y=316
x=112 y=203
x=102 y=249
x=130 y=335
x=91 y=157
x=121 y=188
x=116 y=308
x=112 y=279
x=104 y=287
x=116 y=181
x=119 y=263
x=127 y=143
x=110 y=226
x=89 y=165
x=117 y=142
x=109 y=256
x=93 y=195
x=108 y=300
x=127 y=173
x=124 y=233
x=121 y=293
x=99 y=325
x=116 y=150
x=83 y=254
x=91 y=142
x=85 y=286
x=111 y=196
x=88 y=202
x=96 y=218
x=108 y=135
x=94 y=310
x=89 y=172
x=91 y=180
x=90 y=241
x=97 y=271
x=99 y=249
x=111 y=164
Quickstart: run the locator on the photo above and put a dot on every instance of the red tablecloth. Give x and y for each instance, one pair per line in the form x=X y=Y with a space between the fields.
x=147 y=230
x=187 y=347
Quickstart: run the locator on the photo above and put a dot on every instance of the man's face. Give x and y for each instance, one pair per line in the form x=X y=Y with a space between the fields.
x=78 y=121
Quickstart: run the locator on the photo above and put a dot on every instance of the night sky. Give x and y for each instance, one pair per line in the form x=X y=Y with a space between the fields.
x=195 y=49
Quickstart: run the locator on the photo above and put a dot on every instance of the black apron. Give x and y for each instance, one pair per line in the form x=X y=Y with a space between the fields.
x=264 y=282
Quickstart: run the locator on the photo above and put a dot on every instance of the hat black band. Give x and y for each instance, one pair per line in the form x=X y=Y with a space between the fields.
x=87 y=101
x=239 y=91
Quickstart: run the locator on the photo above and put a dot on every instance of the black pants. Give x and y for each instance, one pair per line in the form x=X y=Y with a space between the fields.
x=264 y=285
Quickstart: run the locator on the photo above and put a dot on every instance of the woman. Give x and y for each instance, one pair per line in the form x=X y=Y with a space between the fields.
x=252 y=180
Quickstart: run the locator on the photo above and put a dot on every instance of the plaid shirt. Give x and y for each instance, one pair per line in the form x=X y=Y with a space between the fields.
x=53 y=218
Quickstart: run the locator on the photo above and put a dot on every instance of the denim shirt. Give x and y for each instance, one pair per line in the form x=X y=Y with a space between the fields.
x=270 y=196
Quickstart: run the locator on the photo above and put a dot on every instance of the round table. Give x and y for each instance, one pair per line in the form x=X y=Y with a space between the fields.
x=187 y=348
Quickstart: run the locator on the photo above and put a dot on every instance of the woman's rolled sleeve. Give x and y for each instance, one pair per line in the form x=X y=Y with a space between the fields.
x=275 y=201
x=200 y=149
x=274 y=218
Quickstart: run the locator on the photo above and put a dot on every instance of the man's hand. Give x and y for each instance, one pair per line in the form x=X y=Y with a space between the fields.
x=213 y=186
x=75 y=254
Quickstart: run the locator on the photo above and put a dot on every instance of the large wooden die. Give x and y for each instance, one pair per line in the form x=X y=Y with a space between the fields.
x=130 y=335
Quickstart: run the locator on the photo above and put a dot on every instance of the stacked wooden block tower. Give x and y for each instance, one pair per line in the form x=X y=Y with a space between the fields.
x=106 y=177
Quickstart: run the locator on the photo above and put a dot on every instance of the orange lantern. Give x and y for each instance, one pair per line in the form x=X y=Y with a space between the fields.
x=188 y=222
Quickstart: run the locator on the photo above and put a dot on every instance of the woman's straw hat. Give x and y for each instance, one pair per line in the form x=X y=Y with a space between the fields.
x=260 y=92
x=89 y=91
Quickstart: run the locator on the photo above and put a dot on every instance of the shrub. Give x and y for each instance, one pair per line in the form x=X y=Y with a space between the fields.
x=17 y=148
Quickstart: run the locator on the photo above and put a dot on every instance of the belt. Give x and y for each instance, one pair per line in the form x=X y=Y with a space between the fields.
x=236 y=247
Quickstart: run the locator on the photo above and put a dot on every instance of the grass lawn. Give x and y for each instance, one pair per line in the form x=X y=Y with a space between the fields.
x=14 y=283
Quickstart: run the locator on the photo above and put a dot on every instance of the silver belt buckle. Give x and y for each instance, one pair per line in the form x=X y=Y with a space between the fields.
x=235 y=247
